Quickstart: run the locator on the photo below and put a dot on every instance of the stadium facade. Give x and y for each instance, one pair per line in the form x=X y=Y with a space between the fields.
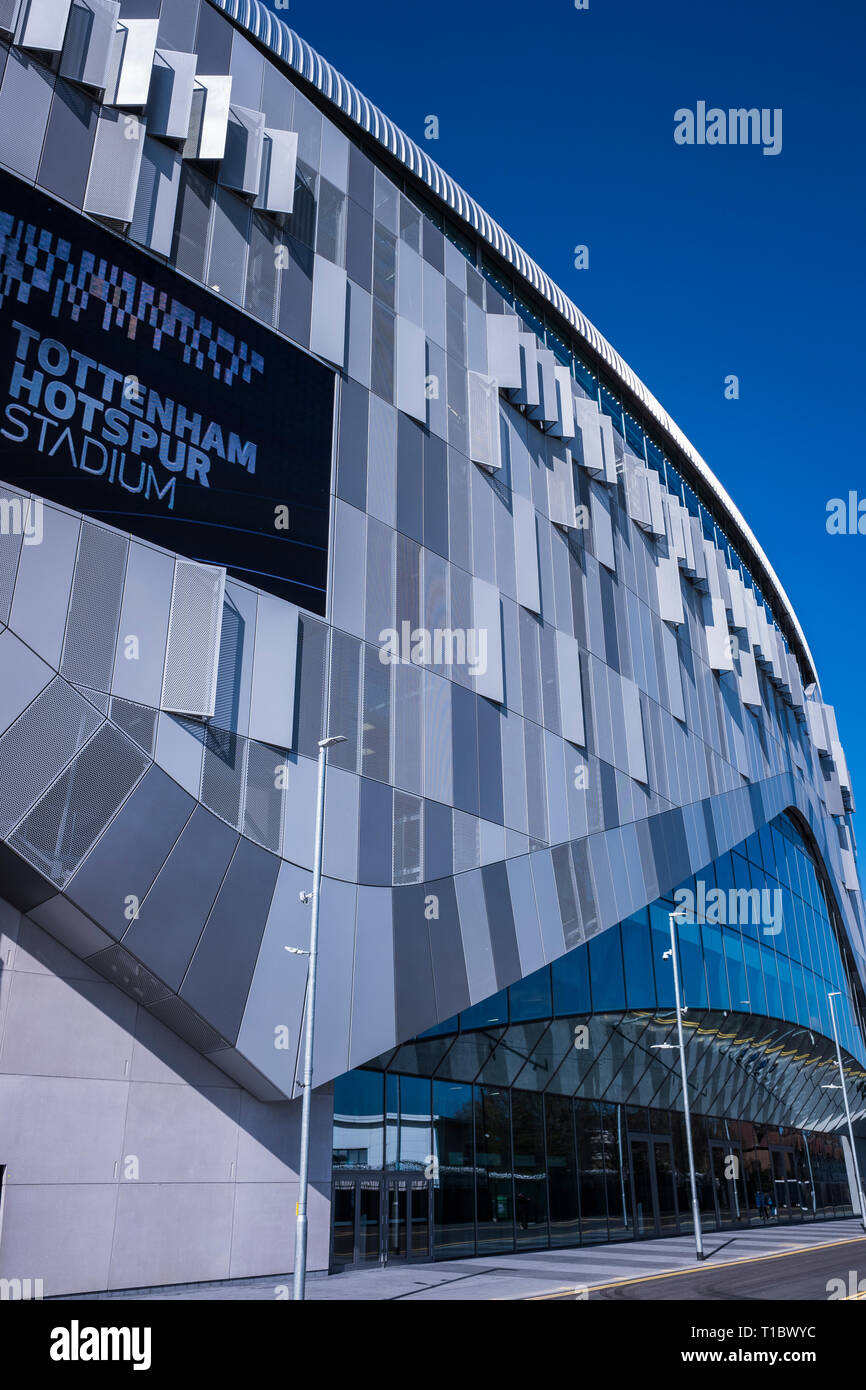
x=296 y=440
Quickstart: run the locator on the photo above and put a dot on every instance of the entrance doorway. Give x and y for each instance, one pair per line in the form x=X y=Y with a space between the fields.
x=786 y=1186
x=380 y=1217
x=653 y=1185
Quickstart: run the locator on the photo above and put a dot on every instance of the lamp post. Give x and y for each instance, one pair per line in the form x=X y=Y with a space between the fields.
x=696 y=1215
x=831 y=995
x=300 y=1275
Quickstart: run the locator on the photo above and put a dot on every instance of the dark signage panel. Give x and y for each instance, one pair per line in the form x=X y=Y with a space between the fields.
x=129 y=393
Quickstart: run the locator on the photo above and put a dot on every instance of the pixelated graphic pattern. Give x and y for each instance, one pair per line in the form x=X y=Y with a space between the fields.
x=34 y=260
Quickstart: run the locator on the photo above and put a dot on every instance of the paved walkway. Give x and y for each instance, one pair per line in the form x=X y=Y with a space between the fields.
x=534 y=1274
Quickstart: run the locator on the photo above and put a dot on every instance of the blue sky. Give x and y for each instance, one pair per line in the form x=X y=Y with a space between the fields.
x=704 y=261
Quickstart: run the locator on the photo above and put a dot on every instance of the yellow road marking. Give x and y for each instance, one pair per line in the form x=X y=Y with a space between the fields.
x=696 y=1269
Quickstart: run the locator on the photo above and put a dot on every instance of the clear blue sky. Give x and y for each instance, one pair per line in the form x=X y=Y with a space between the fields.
x=703 y=261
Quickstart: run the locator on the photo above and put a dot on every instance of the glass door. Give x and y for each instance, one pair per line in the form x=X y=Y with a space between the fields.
x=653 y=1185
x=356 y=1222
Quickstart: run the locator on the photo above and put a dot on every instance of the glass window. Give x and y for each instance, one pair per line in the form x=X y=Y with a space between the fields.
x=453 y=1196
x=606 y=971
x=733 y=945
x=358 y=1120
x=714 y=958
x=571 y=983
x=493 y=1169
x=561 y=1171
x=530 y=1175
x=637 y=955
x=590 y=1163
x=489 y=1011
x=530 y=998
x=408 y=1136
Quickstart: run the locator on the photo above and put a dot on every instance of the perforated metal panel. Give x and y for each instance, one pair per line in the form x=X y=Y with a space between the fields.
x=264 y=796
x=467 y=842
x=43 y=24
x=9 y=12
x=484 y=420
x=138 y=722
x=124 y=971
x=89 y=43
x=222 y=775
x=115 y=166
x=170 y=105
x=134 y=54
x=94 y=607
x=192 y=654
x=178 y=1016
x=37 y=747
x=13 y=514
x=56 y=835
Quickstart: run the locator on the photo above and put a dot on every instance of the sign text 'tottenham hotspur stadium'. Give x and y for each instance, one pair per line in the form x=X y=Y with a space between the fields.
x=71 y=407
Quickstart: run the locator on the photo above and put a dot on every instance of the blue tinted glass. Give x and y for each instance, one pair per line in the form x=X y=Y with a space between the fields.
x=660 y=941
x=717 y=978
x=755 y=976
x=571 y=983
x=800 y=993
x=637 y=953
x=771 y=981
x=724 y=873
x=694 y=983
x=530 y=998
x=492 y=1010
x=605 y=970
x=789 y=1008
x=736 y=969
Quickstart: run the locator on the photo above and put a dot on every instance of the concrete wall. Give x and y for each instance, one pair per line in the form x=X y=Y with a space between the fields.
x=94 y=1090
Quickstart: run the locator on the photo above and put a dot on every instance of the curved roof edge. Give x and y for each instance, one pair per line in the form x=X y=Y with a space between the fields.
x=297 y=54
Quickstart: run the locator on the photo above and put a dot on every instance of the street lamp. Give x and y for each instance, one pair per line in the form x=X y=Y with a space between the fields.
x=696 y=1215
x=831 y=995
x=307 y=1098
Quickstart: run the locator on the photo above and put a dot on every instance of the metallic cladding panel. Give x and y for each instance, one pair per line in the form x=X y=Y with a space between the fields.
x=94 y=607
x=218 y=979
x=193 y=649
x=173 y=913
x=328 y=323
x=89 y=42
x=116 y=876
x=156 y=198
x=134 y=51
x=114 y=170
x=169 y=107
x=42 y=25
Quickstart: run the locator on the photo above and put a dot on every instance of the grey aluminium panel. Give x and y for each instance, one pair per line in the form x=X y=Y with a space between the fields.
x=26 y=87
x=245 y=142
x=279 y=167
x=503 y=350
x=140 y=656
x=373 y=991
x=169 y=106
x=24 y=676
x=41 y=597
x=218 y=980
x=570 y=693
x=129 y=82
x=115 y=166
x=156 y=198
x=328 y=326
x=526 y=554
x=171 y=917
x=334 y=990
x=272 y=699
x=635 y=747
x=272 y=1025
x=410 y=360
x=487 y=673
x=116 y=875
x=89 y=42
x=42 y=25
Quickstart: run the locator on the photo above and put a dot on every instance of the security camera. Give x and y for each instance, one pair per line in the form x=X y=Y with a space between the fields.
x=305 y=898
